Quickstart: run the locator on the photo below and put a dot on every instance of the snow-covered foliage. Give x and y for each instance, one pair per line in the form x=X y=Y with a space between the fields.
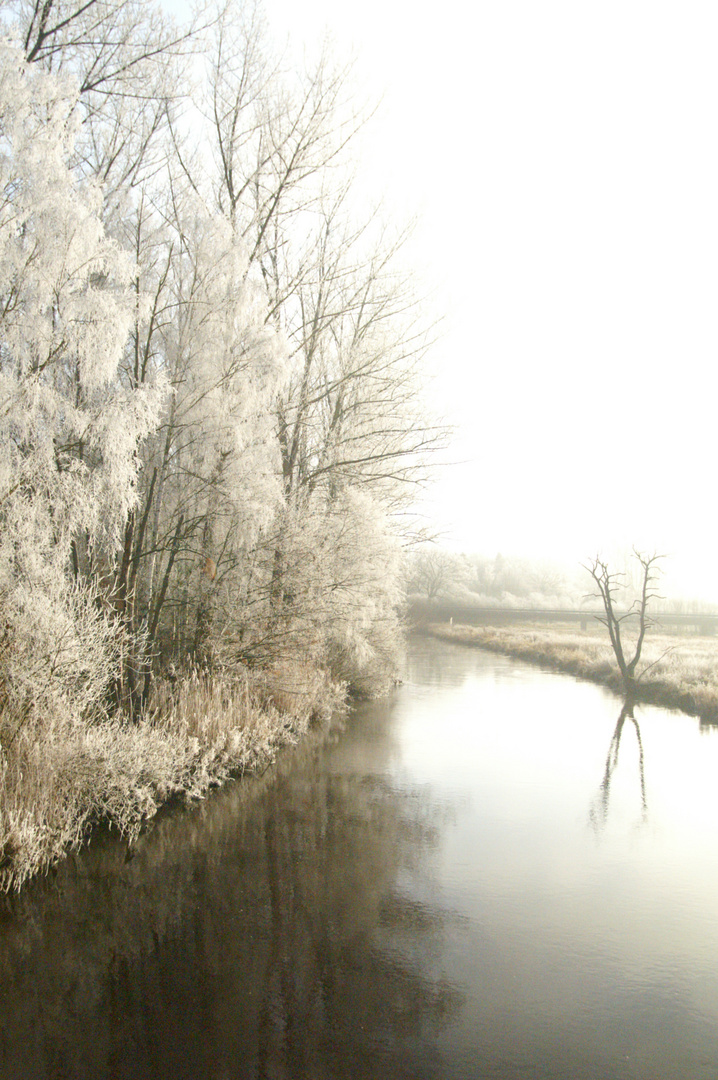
x=208 y=378
x=363 y=632
x=212 y=431
x=216 y=452
x=325 y=580
x=69 y=433
x=225 y=364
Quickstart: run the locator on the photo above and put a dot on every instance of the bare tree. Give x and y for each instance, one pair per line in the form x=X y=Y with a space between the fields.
x=102 y=42
x=617 y=619
x=435 y=573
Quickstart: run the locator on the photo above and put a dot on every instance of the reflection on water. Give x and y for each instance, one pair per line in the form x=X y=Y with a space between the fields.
x=599 y=810
x=250 y=937
x=416 y=893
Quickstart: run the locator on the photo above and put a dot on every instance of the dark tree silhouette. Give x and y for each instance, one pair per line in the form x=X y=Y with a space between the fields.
x=615 y=617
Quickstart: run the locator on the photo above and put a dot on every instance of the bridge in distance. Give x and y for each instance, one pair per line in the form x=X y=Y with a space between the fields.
x=443 y=611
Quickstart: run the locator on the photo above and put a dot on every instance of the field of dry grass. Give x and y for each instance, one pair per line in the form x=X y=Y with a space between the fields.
x=59 y=778
x=678 y=671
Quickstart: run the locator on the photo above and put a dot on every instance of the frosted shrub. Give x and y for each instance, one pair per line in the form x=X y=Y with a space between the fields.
x=334 y=579
x=364 y=639
x=59 y=777
x=58 y=657
x=68 y=432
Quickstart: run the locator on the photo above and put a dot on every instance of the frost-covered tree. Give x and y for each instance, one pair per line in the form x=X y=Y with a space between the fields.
x=338 y=600
x=125 y=58
x=436 y=574
x=350 y=424
x=214 y=454
x=209 y=408
x=272 y=478
x=347 y=421
x=353 y=412
x=69 y=432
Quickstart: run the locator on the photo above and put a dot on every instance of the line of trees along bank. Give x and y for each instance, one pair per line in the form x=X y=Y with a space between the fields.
x=208 y=370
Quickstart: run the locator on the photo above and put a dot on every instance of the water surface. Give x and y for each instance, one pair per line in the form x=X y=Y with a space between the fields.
x=490 y=874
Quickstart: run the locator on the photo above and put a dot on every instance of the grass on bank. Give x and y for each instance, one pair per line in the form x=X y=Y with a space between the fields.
x=60 y=777
x=678 y=671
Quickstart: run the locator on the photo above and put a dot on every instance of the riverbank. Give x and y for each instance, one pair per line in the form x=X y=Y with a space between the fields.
x=58 y=779
x=679 y=671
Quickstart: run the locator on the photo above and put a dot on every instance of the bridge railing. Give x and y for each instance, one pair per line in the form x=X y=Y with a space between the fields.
x=445 y=610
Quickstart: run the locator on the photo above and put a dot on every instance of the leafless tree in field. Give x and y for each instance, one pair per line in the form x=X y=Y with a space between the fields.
x=615 y=618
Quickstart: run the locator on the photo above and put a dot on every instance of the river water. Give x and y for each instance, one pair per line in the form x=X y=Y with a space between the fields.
x=491 y=874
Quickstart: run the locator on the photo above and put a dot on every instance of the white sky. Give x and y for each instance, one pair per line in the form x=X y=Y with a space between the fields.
x=563 y=156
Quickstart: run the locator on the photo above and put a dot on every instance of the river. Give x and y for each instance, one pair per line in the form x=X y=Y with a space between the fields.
x=491 y=874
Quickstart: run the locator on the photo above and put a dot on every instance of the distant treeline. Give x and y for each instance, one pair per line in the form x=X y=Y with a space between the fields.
x=454 y=583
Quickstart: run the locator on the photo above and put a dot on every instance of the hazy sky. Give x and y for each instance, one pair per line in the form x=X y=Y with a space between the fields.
x=563 y=158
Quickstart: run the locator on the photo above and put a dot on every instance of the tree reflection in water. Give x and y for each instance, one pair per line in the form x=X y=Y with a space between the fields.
x=599 y=809
x=254 y=936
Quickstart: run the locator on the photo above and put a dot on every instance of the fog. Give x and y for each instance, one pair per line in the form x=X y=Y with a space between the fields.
x=560 y=164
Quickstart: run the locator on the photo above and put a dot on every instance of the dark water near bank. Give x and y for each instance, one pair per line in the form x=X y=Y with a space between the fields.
x=474 y=879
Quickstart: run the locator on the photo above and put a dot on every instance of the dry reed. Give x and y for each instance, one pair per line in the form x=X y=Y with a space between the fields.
x=58 y=778
x=677 y=671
